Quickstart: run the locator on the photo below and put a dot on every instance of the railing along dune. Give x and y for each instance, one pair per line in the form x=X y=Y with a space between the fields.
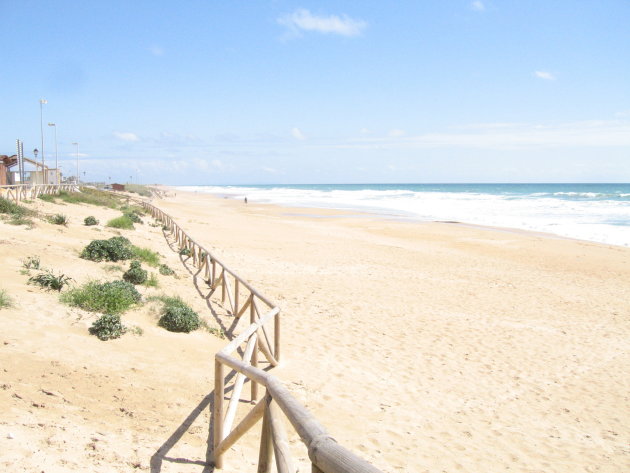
x=19 y=192
x=325 y=453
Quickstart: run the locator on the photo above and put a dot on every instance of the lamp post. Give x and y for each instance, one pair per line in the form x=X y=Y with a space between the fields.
x=35 y=151
x=41 y=126
x=56 y=157
x=77 y=145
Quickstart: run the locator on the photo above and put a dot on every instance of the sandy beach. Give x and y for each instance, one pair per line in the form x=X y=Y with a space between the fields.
x=420 y=346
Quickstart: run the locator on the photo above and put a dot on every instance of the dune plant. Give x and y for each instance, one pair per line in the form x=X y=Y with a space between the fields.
x=5 y=300
x=31 y=262
x=108 y=327
x=112 y=297
x=114 y=249
x=90 y=221
x=135 y=274
x=17 y=214
x=146 y=255
x=165 y=270
x=185 y=252
x=48 y=280
x=123 y=222
x=177 y=316
x=152 y=281
x=59 y=219
x=46 y=197
x=92 y=197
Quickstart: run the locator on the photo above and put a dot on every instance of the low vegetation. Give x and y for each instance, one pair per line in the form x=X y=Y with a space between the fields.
x=31 y=262
x=91 y=196
x=115 y=249
x=138 y=189
x=135 y=274
x=5 y=300
x=113 y=297
x=146 y=256
x=185 y=252
x=177 y=316
x=46 y=197
x=107 y=327
x=152 y=281
x=59 y=219
x=165 y=270
x=16 y=214
x=91 y=220
x=48 y=280
x=123 y=222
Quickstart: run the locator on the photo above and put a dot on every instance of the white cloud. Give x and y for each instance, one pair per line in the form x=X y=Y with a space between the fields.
x=545 y=75
x=126 y=136
x=478 y=6
x=396 y=133
x=297 y=134
x=304 y=20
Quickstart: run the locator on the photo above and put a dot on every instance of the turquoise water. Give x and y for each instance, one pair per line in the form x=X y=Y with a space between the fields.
x=594 y=212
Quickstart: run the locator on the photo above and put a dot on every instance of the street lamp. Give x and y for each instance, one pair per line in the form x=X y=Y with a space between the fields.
x=41 y=126
x=77 y=145
x=56 y=158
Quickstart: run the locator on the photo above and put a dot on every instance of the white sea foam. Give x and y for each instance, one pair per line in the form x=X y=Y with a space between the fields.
x=569 y=214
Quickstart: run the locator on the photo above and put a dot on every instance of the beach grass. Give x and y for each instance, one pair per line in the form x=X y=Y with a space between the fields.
x=138 y=189
x=146 y=256
x=123 y=222
x=5 y=300
x=113 y=297
x=17 y=214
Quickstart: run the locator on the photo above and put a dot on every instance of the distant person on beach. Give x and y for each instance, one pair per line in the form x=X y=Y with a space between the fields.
x=245 y=199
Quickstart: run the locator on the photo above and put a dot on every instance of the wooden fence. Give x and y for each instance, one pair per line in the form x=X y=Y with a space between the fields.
x=262 y=335
x=19 y=192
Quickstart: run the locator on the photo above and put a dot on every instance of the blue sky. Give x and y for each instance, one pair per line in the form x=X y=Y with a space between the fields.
x=247 y=91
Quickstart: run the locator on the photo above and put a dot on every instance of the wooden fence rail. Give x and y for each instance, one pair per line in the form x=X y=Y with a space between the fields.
x=19 y=192
x=325 y=454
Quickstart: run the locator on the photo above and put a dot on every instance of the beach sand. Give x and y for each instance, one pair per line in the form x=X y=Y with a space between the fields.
x=420 y=346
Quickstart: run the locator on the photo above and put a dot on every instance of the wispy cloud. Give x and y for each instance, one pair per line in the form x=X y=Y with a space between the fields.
x=396 y=133
x=297 y=134
x=505 y=136
x=545 y=75
x=477 y=6
x=303 y=20
x=126 y=136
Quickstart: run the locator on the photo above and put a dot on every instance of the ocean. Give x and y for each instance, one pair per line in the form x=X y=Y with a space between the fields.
x=593 y=212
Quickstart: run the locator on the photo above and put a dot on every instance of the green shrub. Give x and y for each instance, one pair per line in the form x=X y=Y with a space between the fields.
x=135 y=274
x=114 y=249
x=123 y=222
x=49 y=281
x=59 y=219
x=177 y=316
x=5 y=300
x=110 y=297
x=165 y=270
x=146 y=255
x=31 y=262
x=107 y=327
x=134 y=217
x=185 y=252
x=90 y=221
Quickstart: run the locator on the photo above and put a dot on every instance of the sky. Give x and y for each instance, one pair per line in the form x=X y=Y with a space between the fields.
x=219 y=92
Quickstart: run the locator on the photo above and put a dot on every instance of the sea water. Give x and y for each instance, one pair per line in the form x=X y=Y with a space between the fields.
x=594 y=212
